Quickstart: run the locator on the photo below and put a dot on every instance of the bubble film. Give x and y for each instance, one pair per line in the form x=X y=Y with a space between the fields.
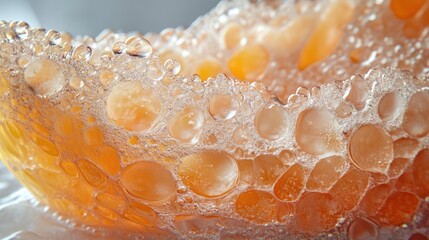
x=265 y=120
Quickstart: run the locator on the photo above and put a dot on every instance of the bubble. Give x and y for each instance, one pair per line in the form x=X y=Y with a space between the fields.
x=138 y=47
x=171 y=67
x=141 y=214
x=187 y=125
x=290 y=185
x=375 y=198
x=397 y=167
x=271 y=122
x=82 y=53
x=76 y=83
x=394 y=212
x=118 y=47
x=371 y=148
x=23 y=61
x=267 y=169
x=344 y=110
x=209 y=174
x=106 y=77
x=405 y=147
x=316 y=212
x=93 y=136
x=357 y=93
x=45 y=144
x=44 y=77
x=53 y=37
x=133 y=106
x=420 y=173
x=241 y=135
x=390 y=106
x=256 y=205
x=21 y=29
x=349 y=188
x=154 y=73
x=416 y=118
x=222 y=107
x=326 y=172
x=316 y=132
x=362 y=229
x=69 y=168
x=148 y=181
x=91 y=173
x=287 y=157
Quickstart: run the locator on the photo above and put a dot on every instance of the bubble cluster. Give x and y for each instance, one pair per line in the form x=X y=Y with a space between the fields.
x=321 y=137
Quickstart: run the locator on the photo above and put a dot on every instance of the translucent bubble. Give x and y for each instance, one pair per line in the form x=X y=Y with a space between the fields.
x=209 y=174
x=44 y=77
x=271 y=122
x=187 y=125
x=53 y=37
x=256 y=205
x=344 y=109
x=267 y=169
x=118 y=47
x=316 y=131
x=138 y=47
x=222 y=107
x=106 y=77
x=371 y=148
x=23 y=61
x=21 y=29
x=82 y=53
x=326 y=172
x=133 y=106
x=76 y=82
x=362 y=228
x=357 y=93
x=390 y=106
x=416 y=118
x=171 y=67
x=91 y=173
x=241 y=135
x=290 y=185
x=148 y=181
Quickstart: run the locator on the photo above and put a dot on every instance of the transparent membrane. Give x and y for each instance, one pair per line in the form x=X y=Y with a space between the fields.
x=300 y=123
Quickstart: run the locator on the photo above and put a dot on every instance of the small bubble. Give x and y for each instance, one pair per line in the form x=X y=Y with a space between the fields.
x=187 y=125
x=271 y=122
x=172 y=67
x=138 y=47
x=303 y=92
x=10 y=34
x=154 y=73
x=222 y=107
x=21 y=29
x=118 y=47
x=241 y=135
x=53 y=37
x=82 y=53
x=23 y=61
x=344 y=109
x=76 y=83
x=106 y=77
x=44 y=77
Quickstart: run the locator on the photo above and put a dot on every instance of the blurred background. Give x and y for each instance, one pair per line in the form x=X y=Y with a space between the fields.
x=83 y=17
